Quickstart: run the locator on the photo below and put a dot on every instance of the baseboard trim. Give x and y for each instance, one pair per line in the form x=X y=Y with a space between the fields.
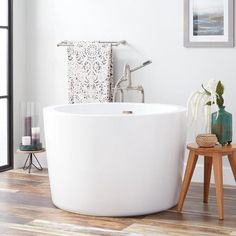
x=198 y=175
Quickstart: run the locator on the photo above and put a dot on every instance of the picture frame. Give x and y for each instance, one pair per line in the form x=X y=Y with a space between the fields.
x=209 y=23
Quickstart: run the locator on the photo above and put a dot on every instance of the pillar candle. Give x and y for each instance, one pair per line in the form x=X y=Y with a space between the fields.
x=35 y=135
x=26 y=140
x=28 y=125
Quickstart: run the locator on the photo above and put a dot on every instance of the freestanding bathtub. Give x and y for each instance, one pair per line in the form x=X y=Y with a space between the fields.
x=105 y=163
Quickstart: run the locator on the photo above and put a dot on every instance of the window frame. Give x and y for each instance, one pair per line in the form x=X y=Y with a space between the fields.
x=9 y=95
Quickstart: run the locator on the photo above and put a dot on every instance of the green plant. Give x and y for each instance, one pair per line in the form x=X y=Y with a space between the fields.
x=210 y=95
x=219 y=100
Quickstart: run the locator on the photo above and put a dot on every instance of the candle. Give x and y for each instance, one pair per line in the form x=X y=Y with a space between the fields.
x=26 y=140
x=28 y=125
x=35 y=135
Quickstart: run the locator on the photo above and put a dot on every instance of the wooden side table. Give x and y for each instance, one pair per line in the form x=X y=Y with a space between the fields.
x=211 y=155
x=31 y=155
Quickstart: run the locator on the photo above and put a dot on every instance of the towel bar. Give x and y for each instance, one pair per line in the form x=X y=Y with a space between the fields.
x=66 y=43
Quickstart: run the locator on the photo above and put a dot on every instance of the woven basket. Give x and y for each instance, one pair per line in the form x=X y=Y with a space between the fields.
x=206 y=140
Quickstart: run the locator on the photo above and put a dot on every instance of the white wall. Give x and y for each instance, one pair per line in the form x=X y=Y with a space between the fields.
x=153 y=30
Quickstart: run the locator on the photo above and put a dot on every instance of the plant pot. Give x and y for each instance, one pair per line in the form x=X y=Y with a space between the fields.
x=221 y=126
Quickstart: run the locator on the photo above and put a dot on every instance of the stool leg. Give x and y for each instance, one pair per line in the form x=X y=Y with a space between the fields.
x=232 y=161
x=207 y=177
x=192 y=160
x=40 y=167
x=31 y=161
x=217 y=165
x=24 y=167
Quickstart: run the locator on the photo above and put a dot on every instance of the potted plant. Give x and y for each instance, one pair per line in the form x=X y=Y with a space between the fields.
x=218 y=123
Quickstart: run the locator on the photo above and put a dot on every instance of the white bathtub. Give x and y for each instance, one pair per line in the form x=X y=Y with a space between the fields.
x=105 y=163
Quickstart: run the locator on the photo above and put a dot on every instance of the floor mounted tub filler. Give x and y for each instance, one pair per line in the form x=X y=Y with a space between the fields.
x=115 y=159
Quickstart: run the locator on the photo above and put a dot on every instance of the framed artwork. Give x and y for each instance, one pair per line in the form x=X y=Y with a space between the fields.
x=209 y=23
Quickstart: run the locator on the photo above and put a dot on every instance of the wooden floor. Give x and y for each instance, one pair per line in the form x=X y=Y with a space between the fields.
x=26 y=209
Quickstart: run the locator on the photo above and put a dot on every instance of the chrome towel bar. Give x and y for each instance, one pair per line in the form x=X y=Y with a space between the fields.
x=67 y=43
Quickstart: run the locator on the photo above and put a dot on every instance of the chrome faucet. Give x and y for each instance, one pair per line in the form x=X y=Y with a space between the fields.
x=127 y=77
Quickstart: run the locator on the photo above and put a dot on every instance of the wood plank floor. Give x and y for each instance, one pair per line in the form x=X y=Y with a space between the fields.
x=26 y=209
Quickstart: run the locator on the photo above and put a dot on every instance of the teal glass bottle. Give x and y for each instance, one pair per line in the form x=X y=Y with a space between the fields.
x=221 y=126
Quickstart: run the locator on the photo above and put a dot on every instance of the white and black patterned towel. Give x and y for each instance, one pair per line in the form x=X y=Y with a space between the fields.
x=90 y=72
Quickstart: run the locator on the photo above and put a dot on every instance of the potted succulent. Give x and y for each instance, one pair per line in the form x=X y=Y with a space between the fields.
x=219 y=122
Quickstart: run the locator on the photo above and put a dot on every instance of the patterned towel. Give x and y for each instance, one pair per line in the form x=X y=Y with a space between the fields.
x=90 y=72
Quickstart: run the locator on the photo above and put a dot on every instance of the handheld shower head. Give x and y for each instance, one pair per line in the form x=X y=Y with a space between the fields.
x=147 y=63
x=139 y=67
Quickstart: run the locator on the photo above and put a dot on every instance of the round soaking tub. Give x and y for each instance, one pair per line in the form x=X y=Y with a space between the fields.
x=115 y=159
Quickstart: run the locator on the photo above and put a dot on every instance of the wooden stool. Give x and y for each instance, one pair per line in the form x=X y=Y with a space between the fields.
x=31 y=155
x=211 y=155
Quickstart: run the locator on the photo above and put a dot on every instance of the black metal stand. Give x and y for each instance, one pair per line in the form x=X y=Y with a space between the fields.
x=30 y=159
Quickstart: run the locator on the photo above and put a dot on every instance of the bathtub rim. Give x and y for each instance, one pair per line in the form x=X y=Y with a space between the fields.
x=52 y=109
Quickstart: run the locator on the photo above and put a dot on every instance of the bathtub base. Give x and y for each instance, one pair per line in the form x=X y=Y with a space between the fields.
x=125 y=214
